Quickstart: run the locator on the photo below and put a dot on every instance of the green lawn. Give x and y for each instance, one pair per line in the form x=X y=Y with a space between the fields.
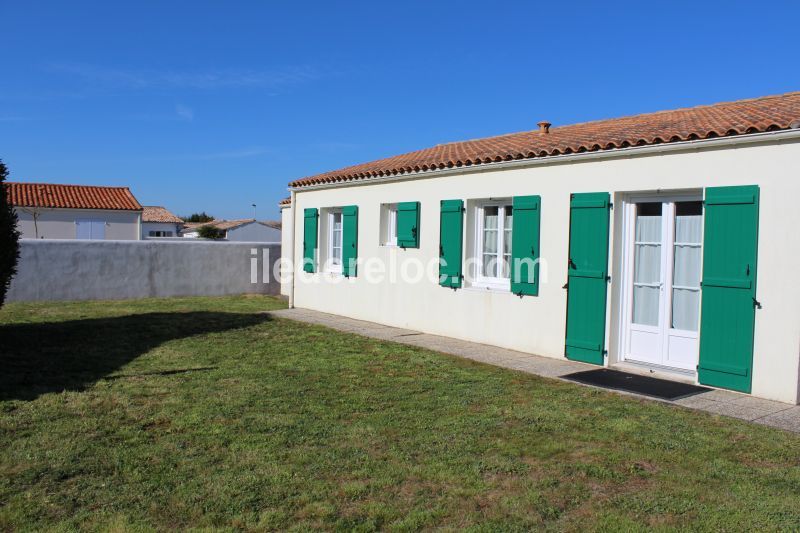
x=200 y=412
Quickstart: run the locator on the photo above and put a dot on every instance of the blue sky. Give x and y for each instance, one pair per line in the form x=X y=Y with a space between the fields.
x=211 y=105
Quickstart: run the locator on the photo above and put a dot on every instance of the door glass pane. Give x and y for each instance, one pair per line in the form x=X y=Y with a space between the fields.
x=685 y=309
x=689 y=222
x=648 y=222
x=686 y=265
x=647 y=264
x=645 y=305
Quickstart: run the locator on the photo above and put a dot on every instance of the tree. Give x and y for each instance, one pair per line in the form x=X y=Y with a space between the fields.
x=9 y=237
x=210 y=232
x=198 y=217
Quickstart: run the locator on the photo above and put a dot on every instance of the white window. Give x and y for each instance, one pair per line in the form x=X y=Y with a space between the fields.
x=334 y=262
x=160 y=234
x=494 y=223
x=388 y=224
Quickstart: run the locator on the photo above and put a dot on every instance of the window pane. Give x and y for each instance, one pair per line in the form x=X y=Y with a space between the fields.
x=685 y=309
x=490 y=217
x=645 y=305
x=490 y=241
x=647 y=263
x=648 y=222
x=490 y=265
x=689 y=222
x=687 y=266
x=506 y=273
x=509 y=217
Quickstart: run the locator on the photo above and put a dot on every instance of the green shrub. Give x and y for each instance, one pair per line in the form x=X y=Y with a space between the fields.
x=9 y=237
x=210 y=232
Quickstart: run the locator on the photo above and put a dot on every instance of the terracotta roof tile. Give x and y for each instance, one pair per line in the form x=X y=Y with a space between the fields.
x=156 y=213
x=757 y=115
x=223 y=225
x=53 y=195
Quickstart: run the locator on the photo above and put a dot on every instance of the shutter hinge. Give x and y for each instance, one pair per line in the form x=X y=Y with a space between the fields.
x=611 y=205
x=756 y=303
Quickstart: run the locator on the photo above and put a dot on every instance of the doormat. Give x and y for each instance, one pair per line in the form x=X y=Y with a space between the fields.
x=657 y=388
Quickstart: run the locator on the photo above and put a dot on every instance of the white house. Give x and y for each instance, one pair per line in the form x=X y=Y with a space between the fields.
x=664 y=242
x=158 y=222
x=245 y=230
x=53 y=211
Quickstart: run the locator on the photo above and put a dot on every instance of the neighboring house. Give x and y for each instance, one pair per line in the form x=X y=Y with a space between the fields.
x=52 y=211
x=246 y=230
x=666 y=243
x=158 y=222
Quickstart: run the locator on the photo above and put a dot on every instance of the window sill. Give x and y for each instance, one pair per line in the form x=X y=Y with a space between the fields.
x=487 y=287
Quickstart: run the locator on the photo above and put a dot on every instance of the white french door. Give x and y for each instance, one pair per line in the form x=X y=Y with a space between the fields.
x=662 y=281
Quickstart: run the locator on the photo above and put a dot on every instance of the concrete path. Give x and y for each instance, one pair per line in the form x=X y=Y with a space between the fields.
x=721 y=402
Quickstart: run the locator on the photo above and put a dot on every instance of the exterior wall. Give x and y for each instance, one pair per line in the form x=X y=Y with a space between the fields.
x=254 y=232
x=110 y=270
x=537 y=324
x=147 y=227
x=287 y=232
x=60 y=223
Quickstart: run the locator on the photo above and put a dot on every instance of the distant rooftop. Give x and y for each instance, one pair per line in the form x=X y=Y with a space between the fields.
x=52 y=195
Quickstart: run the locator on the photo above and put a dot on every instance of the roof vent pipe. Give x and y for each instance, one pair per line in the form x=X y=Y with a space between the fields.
x=544 y=127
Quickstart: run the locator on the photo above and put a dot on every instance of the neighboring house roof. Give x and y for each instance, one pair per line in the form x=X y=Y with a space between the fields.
x=286 y=201
x=156 y=213
x=226 y=225
x=757 y=115
x=223 y=225
x=274 y=224
x=53 y=195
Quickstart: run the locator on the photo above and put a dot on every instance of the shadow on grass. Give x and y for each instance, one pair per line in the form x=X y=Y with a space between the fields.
x=72 y=355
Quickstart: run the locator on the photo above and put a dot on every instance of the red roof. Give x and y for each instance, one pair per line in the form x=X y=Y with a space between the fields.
x=71 y=196
x=757 y=115
x=156 y=213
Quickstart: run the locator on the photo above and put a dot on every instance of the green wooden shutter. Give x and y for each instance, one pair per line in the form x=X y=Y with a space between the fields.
x=451 y=231
x=310 y=218
x=525 y=245
x=408 y=224
x=587 y=271
x=349 y=239
x=730 y=245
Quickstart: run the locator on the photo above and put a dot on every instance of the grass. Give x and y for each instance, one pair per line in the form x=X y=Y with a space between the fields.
x=200 y=412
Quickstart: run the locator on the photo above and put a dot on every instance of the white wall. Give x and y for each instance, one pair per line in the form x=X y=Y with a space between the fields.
x=254 y=232
x=147 y=227
x=108 y=270
x=287 y=231
x=537 y=324
x=60 y=223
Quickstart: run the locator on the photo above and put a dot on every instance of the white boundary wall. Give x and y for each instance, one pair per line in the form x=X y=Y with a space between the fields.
x=112 y=270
